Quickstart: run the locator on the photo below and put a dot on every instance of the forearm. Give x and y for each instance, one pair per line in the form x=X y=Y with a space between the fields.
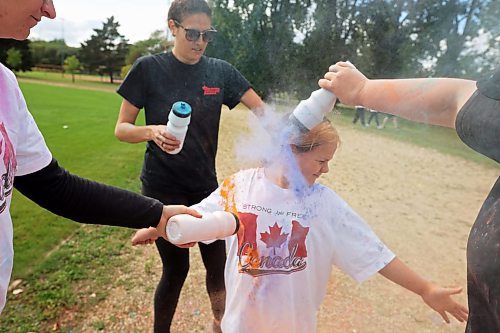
x=86 y=201
x=434 y=101
x=253 y=102
x=131 y=133
x=399 y=273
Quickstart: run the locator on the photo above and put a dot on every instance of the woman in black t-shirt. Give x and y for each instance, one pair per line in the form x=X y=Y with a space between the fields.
x=474 y=110
x=155 y=83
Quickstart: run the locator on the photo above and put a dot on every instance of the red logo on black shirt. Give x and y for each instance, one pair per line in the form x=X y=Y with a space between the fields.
x=210 y=91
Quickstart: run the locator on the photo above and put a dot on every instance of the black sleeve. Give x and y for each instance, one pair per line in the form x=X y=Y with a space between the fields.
x=86 y=201
x=235 y=85
x=133 y=86
x=478 y=122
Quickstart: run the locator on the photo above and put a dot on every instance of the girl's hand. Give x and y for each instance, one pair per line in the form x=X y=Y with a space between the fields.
x=440 y=300
x=145 y=236
x=187 y=245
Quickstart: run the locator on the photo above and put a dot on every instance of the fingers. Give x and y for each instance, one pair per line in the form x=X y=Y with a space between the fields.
x=454 y=291
x=193 y=212
x=166 y=141
x=187 y=245
x=444 y=316
x=341 y=65
x=460 y=313
x=144 y=242
x=168 y=147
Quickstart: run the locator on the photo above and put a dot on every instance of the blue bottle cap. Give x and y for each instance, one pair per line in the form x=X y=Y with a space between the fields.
x=181 y=109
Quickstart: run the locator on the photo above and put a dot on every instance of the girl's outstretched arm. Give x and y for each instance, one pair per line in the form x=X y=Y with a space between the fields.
x=438 y=298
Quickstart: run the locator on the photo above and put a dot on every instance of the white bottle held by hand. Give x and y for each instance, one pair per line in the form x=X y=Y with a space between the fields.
x=310 y=112
x=185 y=228
x=178 y=121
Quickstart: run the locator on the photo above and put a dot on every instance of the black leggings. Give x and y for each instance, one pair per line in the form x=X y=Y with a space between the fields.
x=176 y=266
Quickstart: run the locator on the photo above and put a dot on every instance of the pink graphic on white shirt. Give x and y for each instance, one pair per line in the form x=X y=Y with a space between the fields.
x=281 y=259
x=10 y=165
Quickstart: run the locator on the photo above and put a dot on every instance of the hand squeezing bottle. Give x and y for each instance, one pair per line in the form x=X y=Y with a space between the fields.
x=185 y=228
x=310 y=112
x=178 y=121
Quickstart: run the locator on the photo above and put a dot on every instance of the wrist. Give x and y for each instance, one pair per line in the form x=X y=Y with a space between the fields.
x=150 y=133
x=162 y=224
x=364 y=95
x=425 y=289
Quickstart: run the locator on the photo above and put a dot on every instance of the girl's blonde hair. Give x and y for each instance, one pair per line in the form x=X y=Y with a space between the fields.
x=323 y=133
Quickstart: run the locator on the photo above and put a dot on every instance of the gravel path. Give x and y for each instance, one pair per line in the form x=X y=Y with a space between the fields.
x=420 y=202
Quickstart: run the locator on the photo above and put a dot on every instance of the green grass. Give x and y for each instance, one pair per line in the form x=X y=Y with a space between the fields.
x=444 y=140
x=76 y=276
x=78 y=127
x=81 y=80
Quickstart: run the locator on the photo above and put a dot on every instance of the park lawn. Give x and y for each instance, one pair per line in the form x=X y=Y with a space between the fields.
x=81 y=80
x=78 y=126
x=53 y=255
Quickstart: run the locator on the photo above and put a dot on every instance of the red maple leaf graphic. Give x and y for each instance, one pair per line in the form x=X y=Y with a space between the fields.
x=298 y=238
x=274 y=238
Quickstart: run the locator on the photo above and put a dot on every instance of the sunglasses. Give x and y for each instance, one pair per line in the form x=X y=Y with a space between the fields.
x=193 y=35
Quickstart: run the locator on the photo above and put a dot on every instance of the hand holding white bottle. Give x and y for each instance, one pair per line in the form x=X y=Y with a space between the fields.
x=185 y=228
x=310 y=112
x=178 y=121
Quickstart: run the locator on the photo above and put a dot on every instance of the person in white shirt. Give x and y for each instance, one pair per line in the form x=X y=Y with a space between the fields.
x=27 y=164
x=292 y=231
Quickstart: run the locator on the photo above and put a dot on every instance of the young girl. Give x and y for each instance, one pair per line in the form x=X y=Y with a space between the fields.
x=292 y=230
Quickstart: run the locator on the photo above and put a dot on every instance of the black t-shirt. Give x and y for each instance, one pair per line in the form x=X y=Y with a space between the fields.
x=478 y=125
x=155 y=83
x=478 y=122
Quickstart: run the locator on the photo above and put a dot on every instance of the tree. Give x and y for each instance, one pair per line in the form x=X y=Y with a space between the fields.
x=72 y=65
x=23 y=47
x=105 y=51
x=332 y=33
x=387 y=45
x=483 y=51
x=14 y=58
x=156 y=43
x=51 y=52
x=445 y=29
x=258 y=38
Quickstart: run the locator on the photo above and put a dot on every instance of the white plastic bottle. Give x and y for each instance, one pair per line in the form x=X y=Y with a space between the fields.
x=185 y=228
x=310 y=112
x=178 y=121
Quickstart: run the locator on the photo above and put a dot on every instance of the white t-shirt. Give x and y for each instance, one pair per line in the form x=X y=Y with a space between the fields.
x=22 y=151
x=280 y=261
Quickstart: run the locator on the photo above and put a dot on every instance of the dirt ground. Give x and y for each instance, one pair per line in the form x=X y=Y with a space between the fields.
x=420 y=202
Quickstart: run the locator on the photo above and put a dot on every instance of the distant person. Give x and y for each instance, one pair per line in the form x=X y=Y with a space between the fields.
x=29 y=166
x=154 y=84
x=473 y=109
x=374 y=115
x=359 y=114
x=280 y=261
x=388 y=117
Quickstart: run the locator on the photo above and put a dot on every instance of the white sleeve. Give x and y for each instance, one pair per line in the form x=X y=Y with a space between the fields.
x=358 y=251
x=210 y=204
x=32 y=153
